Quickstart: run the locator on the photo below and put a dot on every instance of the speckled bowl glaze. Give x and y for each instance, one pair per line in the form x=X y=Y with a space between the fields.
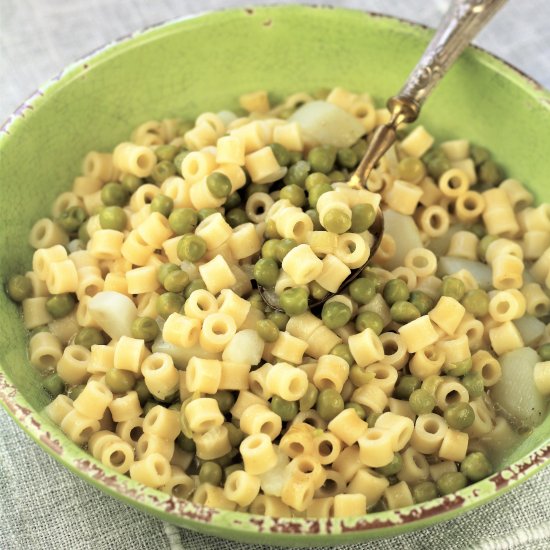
x=204 y=63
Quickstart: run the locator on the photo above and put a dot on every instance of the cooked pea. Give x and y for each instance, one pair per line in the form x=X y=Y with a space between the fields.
x=359 y=376
x=169 y=303
x=166 y=152
x=479 y=154
x=321 y=159
x=75 y=391
x=113 y=194
x=210 y=472
x=544 y=352
x=183 y=220
x=204 y=213
x=406 y=385
x=195 y=284
x=162 y=171
x=329 y=404
x=148 y=406
x=476 y=466
x=270 y=231
x=316 y=192
x=335 y=314
x=360 y=148
x=142 y=391
x=19 y=288
x=235 y=434
x=295 y=156
x=131 y=183
x=396 y=290
x=404 y=312
x=164 y=270
x=252 y=188
x=266 y=272
x=372 y=418
x=294 y=301
x=232 y=201
x=287 y=410
x=362 y=217
x=176 y=281
x=256 y=301
x=316 y=291
x=176 y=406
x=236 y=216
x=144 y=328
x=297 y=173
x=191 y=247
x=314 y=179
x=314 y=215
x=451 y=482
x=478 y=229
x=362 y=290
x=338 y=175
x=308 y=400
x=394 y=467
x=184 y=126
x=369 y=319
x=88 y=337
x=72 y=218
x=83 y=233
x=225 y=400
x=431 y=383
x=347 y=158
x=336 y=221
x=343 y=351
x=460 y=368
x=227 y=458
x=185 y=443
x=459 y=416
x=219 y=185
x=476 y=302
x=279 y=318
x=421 y=402
x=53 y=384
x=437 y=165
x=60 y=305
x=269 y=249
x=162 y=204
x=453 y=288
x=359 y=409
x=411 y=169
x=281 y=154
x=473 y=382
x=268 y=330
x=489 y=173
x=113 y=217
x=293 y=193
x=284 y=246
x=424 y=491
x=119 y=381
x=421 y=301
x=376 y=281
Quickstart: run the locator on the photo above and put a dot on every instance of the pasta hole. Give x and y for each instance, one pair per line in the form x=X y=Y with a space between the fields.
x=136 y=433
x=390 y=347
x=454 y=183
x=86 y=433
x=296 y=448
x=325 y=448
x=435 y=221
x=503 y=307
x=540 y=310
x=420 y=261
x=373 y=435
x=267 y=428
x=306 y=467
x=295 y=385
x=41 y=233
x=159 y=467
x=260 y=509
x=117 y=458
x=431 y=427
x=256 y=387
x=299 y=229
x=329 y=486
x=452 y=397
x=254 y=443
x=181 y=490
x=521 y=204
x=417 y=462
x=47 y=360
x=430 y=354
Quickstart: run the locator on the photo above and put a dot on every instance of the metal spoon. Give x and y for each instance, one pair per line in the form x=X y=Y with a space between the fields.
x=460 y=24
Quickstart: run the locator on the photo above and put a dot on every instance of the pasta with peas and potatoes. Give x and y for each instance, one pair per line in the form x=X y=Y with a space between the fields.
x=162 y=358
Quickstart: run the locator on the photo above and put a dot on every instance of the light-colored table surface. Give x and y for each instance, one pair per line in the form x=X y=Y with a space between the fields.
x=44 y=506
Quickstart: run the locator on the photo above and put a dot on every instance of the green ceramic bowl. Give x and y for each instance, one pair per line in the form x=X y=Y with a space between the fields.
x=204 y=63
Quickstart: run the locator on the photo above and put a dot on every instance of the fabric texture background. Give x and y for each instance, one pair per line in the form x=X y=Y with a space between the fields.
x=44 y=506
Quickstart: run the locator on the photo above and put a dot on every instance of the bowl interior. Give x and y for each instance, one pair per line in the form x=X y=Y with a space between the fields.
x=203 y=64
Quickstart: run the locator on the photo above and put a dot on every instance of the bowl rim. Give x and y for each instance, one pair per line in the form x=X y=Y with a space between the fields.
x=237 y=524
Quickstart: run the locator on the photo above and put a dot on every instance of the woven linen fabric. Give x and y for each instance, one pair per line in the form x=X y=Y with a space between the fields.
x=42 y=505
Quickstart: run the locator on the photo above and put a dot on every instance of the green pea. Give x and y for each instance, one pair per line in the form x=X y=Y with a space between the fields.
x=88 y=337
x=195 y=284
x=19 y=288
x=75 y=391
x=424 y=491
x=297 y=173
x=162 y=171
x=284 y=247
x=166 y=152
x=314 y=215
x=362 y=217
x=113 y=217
x=295 y=156
x=236 y=217
x=473 y=382
x=360 y=148
x=279 y=318
x=219 y=185
x=232 y=201
x=308 y=400
x=204 y=213
x=72 y=218
x=191 y=248
x=369 y=319
x=394 y=467
x=338 y=176
x=316 y=291
x=164 y=270
x=544 y=352
x=225 y=400
x=453 y=288
x=142 y=391
x=269 y=249
x=113 y=194
x=169 y=303
x=227 y=458
x=478 y=229
x=293 y=193
x=437 y=165
x=321 y=159
x=228 y=470
x=359 y=409
x=476 y=466
x=347 y=158
x=256 y=301
x=176 y=406
x=184 y=126
x=489 y=173
x=396 y=290
x=252 y=188
x=186 y=443
x=119 y=381
x=162 y=204
x=281 y=154
x=359 y=376
x=362 y=290
x=479 y=154
x=235 y=434
x=329 y=404
x=336 y=221
x=460 y=368
x=421 y=402
x=411 y=169
x=406 y=385
x=53 y=384
x=343 y=351
x=476 y=302
x=287 y=410
x=268 y=330
x=294 y=301
x=144 y=328
x=335 y=314
x=131 y=183
x=83 y=233
x=459 y=416
x=451 y=482
x=404 y=312
x=421 y=301
x=316 y=192
x=210 y=472
x=176 y=281
x=60 y=305
x=266 y=272
x=314 y=179
x=372 y=418
x=431 y=383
